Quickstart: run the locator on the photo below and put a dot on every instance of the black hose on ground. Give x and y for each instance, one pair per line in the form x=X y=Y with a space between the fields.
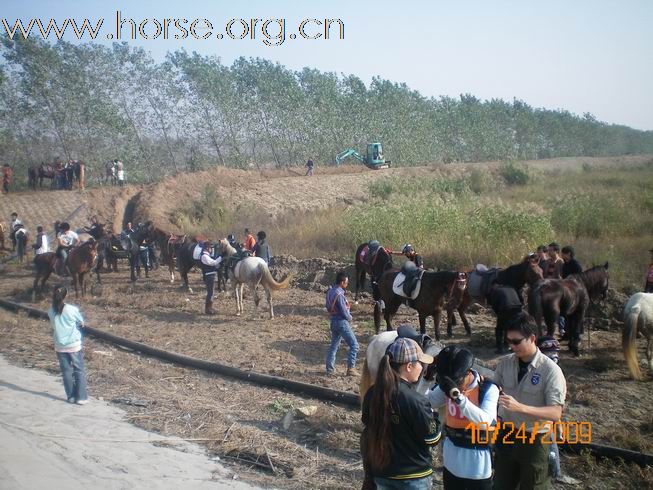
x=318 y=392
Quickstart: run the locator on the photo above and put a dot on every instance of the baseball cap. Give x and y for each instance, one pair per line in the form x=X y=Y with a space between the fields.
x=404 y=350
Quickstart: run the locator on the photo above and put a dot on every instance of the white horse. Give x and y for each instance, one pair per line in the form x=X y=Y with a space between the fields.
x=254 y=271
x=638 y=316
x=375 y=352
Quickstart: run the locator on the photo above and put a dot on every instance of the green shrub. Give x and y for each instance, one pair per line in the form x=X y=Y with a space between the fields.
x=514 y=174
x=381 y=188
x=478 y=181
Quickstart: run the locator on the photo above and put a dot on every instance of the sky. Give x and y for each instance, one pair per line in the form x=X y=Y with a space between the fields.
x=578 y=55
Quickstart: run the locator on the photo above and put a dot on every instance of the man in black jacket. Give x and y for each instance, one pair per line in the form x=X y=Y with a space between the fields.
x=506 y=304
x=571 y=265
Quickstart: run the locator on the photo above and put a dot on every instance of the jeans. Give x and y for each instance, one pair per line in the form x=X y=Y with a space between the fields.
x=425 y=483
x=209 y=281
x=340 y=329
x=74 y=377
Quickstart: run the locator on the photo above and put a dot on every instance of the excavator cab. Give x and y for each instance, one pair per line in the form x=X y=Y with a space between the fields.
x=373 y=159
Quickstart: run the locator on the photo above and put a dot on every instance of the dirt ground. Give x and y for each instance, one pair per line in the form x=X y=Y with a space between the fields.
x=245 y=423
x=320 y=451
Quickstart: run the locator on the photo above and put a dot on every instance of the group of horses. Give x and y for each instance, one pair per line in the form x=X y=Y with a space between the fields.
x=548 y=299
x=71 y=173
x=101 y=247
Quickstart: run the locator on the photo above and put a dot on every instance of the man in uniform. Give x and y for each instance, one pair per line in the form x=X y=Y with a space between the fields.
x=532 y=398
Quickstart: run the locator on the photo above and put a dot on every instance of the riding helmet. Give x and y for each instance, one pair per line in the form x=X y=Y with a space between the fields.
x=407 y=248
x=454 y=362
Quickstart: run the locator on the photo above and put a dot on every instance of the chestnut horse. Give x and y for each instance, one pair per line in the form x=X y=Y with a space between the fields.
x=570 y=298
x=435 y=289
x=515 y=276
x=375 y=268
x=80 y=261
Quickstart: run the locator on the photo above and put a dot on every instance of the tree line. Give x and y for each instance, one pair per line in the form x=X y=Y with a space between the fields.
x=191 y=111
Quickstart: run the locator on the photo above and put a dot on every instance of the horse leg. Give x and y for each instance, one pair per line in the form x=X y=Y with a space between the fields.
x=268 y=297
x=551 y=316
x=422 y=326
x=464 y=304
x=239 y=295
x=257 y=299
x=436 y=323
x=34 y=286
x=74 y=277
x=649 y=349
x=377 y=317
x=82 y=283
x=360 y=283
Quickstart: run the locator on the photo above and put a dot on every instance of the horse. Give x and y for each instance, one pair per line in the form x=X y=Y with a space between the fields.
x=80 y=261
x=570 y=297
x=380 y=262
x=254 y=271
x=376 y=350
x=638 y=317
x=46 y=171
x=515 y=276
x=435 y=288
x=131 y=244
x=110 y=173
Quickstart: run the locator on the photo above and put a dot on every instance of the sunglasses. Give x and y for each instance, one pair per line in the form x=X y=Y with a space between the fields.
x=515 y=341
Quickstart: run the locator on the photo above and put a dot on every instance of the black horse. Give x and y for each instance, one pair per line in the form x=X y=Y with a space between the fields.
x=375 y=266
x=131 y=243
x=570 y=297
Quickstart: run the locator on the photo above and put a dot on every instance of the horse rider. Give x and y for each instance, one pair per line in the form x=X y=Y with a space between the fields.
x=94 y=229
x=209 y=271
x=67 y=239
x=262 y=249
x=41 y=245
x=413 y=256
x=127 y=231
x=469 y=399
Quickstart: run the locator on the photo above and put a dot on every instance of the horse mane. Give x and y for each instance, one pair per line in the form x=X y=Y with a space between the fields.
x=592 y=277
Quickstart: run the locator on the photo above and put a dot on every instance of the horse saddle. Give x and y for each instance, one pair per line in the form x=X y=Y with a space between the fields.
x=480 y=280
x=233 y=260
x=408 y=332
x=408 y=282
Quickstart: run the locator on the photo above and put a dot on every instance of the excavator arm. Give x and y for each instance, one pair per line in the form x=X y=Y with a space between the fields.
x=349 y=153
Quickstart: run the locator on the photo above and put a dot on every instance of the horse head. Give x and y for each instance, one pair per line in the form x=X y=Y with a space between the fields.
x=597 y=281
x=225 y=248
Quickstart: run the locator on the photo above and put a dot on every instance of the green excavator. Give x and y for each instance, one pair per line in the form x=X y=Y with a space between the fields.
x=373 y=159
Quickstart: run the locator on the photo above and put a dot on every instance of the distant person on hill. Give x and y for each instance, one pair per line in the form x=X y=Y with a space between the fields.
x=120 y=173
x=309 y=167
x=571 y=265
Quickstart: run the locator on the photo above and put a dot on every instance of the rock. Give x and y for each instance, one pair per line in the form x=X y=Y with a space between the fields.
x=287 y=419
x=308 y=411
x=567 y=480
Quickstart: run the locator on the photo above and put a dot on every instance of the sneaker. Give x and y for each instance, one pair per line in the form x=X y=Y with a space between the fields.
x=71 y=400
x=352 y=372
x=330 y=372
x=81 y=402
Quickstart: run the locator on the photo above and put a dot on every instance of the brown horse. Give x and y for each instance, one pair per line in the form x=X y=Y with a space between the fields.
x=516 y=276
x=80 y=261
x=435 y=289
x=570 y=298
x=379 y=263
x=169 y=244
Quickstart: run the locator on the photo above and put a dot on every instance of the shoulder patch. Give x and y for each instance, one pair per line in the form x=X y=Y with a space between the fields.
x=535 y=379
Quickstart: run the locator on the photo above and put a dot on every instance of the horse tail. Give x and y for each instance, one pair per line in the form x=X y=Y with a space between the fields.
x=628 y=341
x=366 y=381
x=269 y=281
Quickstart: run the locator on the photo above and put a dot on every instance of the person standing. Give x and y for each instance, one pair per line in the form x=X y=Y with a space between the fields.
x=648 y=285
x=553 y=267
x=400 y=425
x=262 y=249
x=250 y=241
x=506 y=304
x=7 y=173
x=120 y=173
x=21 y=236
x=570 y=265
x=41 y=245
x=12 y=229
x=542 y=255
x=533 y=396
x=209 y=272
x=309 y=168
x=338 y=307
x=67 y=321
x=469 y=398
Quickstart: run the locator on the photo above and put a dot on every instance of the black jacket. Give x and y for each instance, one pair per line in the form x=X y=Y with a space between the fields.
x=571 y=267
x=504 y=299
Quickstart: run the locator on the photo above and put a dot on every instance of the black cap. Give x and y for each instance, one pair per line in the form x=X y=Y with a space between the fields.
x=454 y=362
